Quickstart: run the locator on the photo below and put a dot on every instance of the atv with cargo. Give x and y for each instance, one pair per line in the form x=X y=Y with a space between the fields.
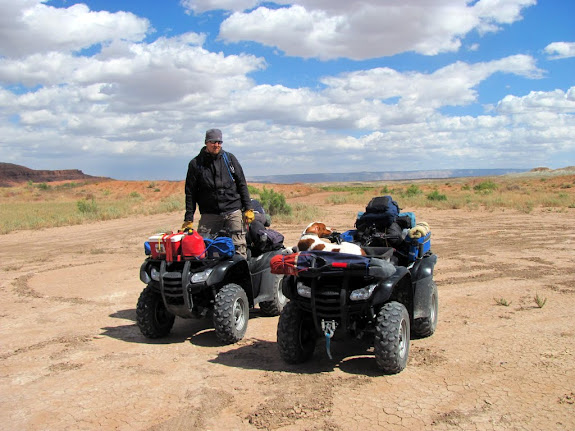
x=205 y=280
x=385 y=296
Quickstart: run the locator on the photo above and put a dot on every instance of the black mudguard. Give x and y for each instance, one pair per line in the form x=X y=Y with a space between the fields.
x=144 y=277
x=289 y=287
x=263 y=281
x=234 y=270
x=385 y=287
x=422 y=276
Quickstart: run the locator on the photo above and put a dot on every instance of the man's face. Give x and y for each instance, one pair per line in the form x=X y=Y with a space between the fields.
x=214 y=147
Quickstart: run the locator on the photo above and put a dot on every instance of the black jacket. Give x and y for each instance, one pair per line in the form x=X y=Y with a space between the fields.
x=210 y=186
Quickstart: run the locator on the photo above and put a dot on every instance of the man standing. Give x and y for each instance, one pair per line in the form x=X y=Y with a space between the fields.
x=216 y=184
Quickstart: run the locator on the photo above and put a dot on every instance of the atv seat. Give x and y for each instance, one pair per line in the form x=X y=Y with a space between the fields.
x=384 y=253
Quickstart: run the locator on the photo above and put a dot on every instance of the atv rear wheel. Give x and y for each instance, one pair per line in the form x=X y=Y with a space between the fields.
x=231 y=313
x=296 y=334
x=392 y=341
x=276 y=305
x=154 y=320
x=425 y=326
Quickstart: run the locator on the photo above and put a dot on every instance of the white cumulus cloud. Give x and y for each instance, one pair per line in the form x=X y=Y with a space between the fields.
x=559 y=50
x=372 y=28
x=30 y=26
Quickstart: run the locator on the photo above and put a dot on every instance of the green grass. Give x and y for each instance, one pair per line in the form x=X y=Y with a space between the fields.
x=35 y=206
x=38 y=215
x=300 y=213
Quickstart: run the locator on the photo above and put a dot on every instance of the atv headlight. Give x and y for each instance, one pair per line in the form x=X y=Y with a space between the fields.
x=363 y=293
x=201 y=277
x=303 y=290
x=155 y=274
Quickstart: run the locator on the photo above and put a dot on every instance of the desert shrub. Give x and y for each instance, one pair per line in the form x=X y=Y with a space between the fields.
x=87 y=206
x=135 y=195
x=436 y=196
x=539 y=301
x=170 y=204
x=485 y=187
x=337 y=199
x=413 y=190
x=502 y=301
x=69 y=185
x=44 y=186
x=274 y=203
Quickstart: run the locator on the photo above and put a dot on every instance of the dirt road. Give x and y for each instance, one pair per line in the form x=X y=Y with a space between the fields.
x=72 y=357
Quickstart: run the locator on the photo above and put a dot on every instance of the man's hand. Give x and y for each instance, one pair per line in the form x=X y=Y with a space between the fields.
x=187 y=226
x=249 y=216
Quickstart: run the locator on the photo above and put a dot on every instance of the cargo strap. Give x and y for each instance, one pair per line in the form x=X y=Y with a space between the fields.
x=166 y=241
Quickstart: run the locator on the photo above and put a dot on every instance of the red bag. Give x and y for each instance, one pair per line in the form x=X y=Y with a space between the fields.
x=284 y=264
x=193 y=245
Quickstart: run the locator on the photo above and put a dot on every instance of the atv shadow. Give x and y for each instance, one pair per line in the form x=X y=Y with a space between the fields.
x=129 y=314
x=264 y=355
x=183 y=330
x=199 y=332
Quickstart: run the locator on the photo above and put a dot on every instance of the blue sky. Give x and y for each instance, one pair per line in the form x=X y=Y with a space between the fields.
x=127 y=88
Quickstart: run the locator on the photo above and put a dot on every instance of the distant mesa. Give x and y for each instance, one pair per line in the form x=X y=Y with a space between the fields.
x=12 y=175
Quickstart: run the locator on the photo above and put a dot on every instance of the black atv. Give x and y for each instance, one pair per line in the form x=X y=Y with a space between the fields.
x=222 y=288
x=380 y=296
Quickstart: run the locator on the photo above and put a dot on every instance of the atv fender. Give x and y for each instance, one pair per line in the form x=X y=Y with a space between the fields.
x=144 y=277
x=289 y=286
x=422 y=278
x=263 y=281
x=234 y=270
x=385 y=288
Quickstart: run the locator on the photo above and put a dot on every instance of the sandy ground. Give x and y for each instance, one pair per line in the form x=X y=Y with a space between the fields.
x=72 y=357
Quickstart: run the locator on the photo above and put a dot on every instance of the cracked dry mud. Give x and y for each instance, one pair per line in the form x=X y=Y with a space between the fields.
x=72 y=357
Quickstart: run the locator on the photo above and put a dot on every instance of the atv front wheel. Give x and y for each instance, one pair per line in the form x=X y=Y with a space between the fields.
x=231 y=313
x=276 y=305
x=296 y=334
x=391 y=342
x=425 y=326
x=154 y=320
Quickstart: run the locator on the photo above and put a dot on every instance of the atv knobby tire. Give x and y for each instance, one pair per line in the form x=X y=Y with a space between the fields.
x=231 y=313
x=425 y=326
x=296 y=335
x=392 y=341
x=276 y=305
x=154 y=320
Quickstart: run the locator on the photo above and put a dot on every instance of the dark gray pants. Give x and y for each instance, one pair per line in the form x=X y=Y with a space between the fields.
x=234 y=222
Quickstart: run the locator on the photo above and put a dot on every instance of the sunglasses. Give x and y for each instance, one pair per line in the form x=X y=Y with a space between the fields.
x=215 y=142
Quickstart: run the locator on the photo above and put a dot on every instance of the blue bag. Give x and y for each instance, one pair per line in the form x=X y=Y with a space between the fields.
x=221 y=247
x=348 y=235
x=417 y=247
x=381 y=212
